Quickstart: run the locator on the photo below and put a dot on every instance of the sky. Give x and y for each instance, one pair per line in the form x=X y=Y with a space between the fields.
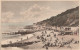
x=17 y=14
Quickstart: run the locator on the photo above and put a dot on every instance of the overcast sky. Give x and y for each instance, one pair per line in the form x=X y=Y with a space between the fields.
x=16 y=14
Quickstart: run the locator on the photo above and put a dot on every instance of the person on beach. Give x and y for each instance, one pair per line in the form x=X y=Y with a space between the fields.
x=21 y=39
x=10 y=42
x=45 y=32
x=46 y=47
x=27 y=37
x=17 y=40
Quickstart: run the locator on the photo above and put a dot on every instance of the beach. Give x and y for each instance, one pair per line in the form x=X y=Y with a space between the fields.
x=38 y=44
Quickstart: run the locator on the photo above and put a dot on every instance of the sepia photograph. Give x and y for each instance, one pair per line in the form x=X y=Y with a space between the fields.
x=40 y=25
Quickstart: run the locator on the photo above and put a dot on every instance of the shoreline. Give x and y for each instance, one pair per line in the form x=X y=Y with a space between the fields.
x=14 y=39
x=33 y=45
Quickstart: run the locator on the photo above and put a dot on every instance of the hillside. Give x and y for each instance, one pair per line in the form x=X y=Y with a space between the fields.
x=68 y=18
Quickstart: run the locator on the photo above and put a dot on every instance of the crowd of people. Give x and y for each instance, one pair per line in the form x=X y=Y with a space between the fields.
x=51 y=40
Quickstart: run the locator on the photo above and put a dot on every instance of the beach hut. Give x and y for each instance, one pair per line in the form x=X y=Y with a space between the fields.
x=66 y=31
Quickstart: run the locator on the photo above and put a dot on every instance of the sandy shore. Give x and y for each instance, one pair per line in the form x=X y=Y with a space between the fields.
x=16 y=39
x=39 y=45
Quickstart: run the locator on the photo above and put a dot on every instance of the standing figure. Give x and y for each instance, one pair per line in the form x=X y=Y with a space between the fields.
x=10 y=42
x=45 y=32
x=27 y=37
x=46 y=47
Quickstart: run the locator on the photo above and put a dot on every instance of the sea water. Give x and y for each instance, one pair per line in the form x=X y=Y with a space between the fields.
x=6 y=36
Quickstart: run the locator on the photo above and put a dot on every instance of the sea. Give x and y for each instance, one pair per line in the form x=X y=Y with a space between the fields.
x=13 y=38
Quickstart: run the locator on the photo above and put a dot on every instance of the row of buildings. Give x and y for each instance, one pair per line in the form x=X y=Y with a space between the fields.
x=62 y=29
